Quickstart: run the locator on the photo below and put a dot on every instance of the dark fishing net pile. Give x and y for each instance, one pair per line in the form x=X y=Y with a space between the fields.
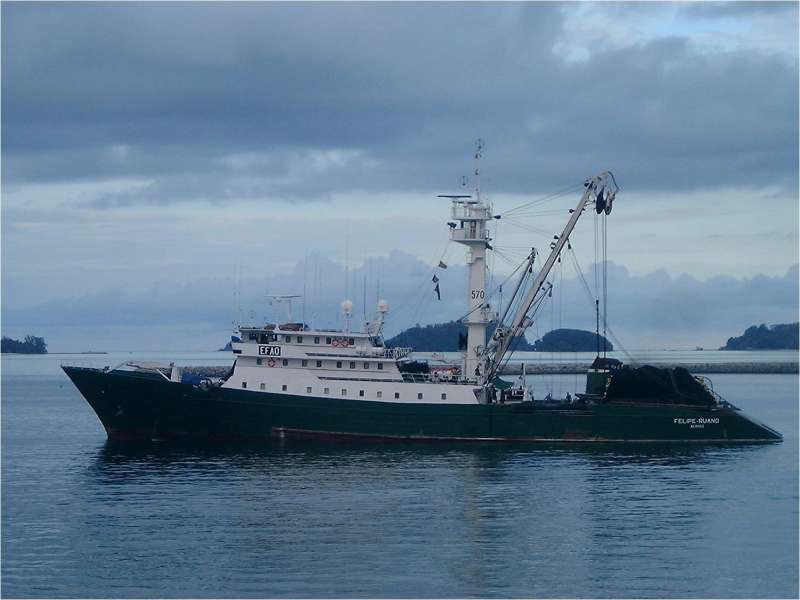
x=651 y=384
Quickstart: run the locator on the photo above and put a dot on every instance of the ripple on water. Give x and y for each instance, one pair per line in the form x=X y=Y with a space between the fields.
x=85 y=518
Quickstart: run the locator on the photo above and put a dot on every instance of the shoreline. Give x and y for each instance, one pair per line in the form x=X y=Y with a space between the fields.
x=752 y=368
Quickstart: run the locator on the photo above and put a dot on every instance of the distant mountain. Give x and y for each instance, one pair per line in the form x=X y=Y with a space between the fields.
x=571 y=340
x=30 y=345
x=776 y=337
x=443 y=337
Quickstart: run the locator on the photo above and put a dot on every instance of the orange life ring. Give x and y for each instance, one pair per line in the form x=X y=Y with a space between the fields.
x=271 y=362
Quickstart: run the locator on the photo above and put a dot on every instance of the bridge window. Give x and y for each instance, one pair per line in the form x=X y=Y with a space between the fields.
x=380 y=366
x=316 y=339
x=287 y=338
x=299 y=339
x=304 y=363
x=351 y=341
x=328 y=340
x=352 y=364
x=252 y=336
x=366 y=365
x=319 y=363
x=263 y=338
x=338 y=364
x=244 y=385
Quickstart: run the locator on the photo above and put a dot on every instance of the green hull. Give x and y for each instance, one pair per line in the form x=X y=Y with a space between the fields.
x=140 y=406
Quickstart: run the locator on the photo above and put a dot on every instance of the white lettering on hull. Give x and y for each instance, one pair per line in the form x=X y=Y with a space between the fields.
x=696 y=422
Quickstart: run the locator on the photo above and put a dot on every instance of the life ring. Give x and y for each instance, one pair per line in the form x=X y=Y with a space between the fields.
x=271 y=362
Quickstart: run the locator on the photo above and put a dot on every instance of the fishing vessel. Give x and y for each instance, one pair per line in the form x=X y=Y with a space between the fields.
x=293 y=380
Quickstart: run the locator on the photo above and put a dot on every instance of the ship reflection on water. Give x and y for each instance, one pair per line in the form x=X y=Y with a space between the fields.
x=283 y=457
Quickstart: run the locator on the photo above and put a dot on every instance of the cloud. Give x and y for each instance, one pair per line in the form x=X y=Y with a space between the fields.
x=211 y=102
x=646 y=311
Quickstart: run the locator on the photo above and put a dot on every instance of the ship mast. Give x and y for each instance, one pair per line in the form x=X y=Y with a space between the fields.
x=468 y=227
x=601 y=189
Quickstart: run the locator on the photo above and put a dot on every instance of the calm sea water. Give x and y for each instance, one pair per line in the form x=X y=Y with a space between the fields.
x=85 y=518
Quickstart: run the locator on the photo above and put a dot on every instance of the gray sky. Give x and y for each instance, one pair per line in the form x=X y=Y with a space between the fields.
x=168 y=147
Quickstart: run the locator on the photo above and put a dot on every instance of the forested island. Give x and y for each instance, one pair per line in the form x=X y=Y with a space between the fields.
x=30 y=345
x=451 y=337
x=572 y=340
x=783 y=336
x=443 y=337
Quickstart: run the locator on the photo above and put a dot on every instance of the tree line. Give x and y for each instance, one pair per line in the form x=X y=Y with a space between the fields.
x=30 y=345
x=783 y=336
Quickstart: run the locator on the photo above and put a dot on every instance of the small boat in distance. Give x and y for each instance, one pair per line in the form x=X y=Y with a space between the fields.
x=292 y=380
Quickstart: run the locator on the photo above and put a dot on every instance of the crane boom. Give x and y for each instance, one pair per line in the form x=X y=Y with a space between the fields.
x=600 y=188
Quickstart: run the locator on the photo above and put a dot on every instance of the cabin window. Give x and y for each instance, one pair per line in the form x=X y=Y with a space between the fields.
x=285 y=362
x=360 y=393
x=244 y=385
x=316 y=339
x=351 y=341
x=328 y=340
x=326 y=391
x=380 y=366
x=287 y=338
x=419 y=396
x=338 y=364
x=263 y=338
x=397 y=395
x=304 y=363
x=344 y=392
x=308 y=390
x=299 y=339
x=366 y=365
x=263 y=386
x=352 y=365
x=259 y=361
x=252 y=336
x=283 y=387
x=380 y=394
x=444 y=396
x=319 y=363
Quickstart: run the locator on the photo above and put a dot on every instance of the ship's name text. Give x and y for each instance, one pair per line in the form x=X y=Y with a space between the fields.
x=269 y=350
x=696 y=422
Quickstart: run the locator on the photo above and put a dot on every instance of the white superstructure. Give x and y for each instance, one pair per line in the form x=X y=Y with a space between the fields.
x=295 y=360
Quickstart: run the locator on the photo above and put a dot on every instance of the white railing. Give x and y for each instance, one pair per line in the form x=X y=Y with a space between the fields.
x=467 y=212
x=465 y=234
